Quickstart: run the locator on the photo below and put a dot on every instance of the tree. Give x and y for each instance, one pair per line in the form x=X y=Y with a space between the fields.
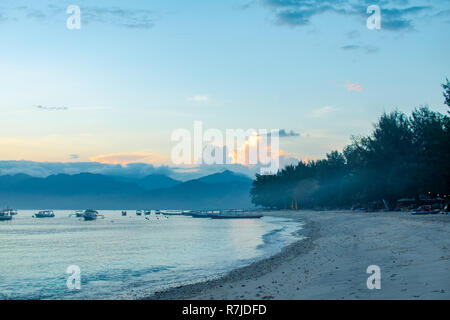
x=403 y=157
x=446 y=87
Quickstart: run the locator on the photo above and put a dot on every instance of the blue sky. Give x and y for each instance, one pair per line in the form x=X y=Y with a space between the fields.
x=137 y=70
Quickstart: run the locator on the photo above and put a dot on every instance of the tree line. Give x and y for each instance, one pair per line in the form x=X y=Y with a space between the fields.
x=404 y=157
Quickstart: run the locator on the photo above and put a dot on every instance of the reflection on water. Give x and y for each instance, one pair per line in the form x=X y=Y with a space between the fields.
x=126 y=257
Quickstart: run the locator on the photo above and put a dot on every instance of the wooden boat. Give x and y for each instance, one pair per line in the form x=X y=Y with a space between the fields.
x=44 y=214
x=201 y=214
x=5 y=215
x=90 y=215
x=124 y=213
x=172 y=212
x=139 y=212
x=235 y=214
x=436 y=211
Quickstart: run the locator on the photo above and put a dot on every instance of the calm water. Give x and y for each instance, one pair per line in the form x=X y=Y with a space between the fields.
x=127 y=257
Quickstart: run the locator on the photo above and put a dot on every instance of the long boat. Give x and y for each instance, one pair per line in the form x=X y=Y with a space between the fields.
x=5 y=215
x=201 y=214
x=44 y=214
x=424 y=212
x=234 y=214
x=139 y=212
x=172 y=212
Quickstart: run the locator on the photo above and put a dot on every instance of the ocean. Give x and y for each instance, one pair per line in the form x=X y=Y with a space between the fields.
x=128 y=257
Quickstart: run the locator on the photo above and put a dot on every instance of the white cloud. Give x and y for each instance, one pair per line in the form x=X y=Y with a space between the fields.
x=321 y=112
x=353 y=86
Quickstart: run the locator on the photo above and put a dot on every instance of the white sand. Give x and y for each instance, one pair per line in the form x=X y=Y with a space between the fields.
x=413 y=253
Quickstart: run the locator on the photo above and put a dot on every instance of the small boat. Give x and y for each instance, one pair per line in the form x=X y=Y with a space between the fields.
x=90 y=215
x=78 y=214
x=203 y=213
x=5 y=215
x=172 y=212
x=124 y=213
x=44 y=214
x=139 y=212
x=436 y=211
x=147 y=212
x=158 y=212
x=234 y=214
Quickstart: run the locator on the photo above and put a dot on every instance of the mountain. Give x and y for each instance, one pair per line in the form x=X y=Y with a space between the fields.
x=221 y=190
x=226 y=176
x=157 y=181
x=151 y=182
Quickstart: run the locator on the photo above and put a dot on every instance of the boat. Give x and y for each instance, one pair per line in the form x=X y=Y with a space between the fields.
x=147 y=212
x=78 y=214
x=423 y=212
x=124 y=213
x=204 y=213
x=157 y=212
x=235 y=214
x=90 y=215
x=172 y=212
x=139 y=212
x=44 y=214
x=5 y=215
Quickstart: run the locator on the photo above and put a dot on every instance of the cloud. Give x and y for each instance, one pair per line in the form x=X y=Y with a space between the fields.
x=74 y=156
x=127 y=158
x=284 y=134
x=133 y=18
x=396 y=15
x=51 y=108
x=129 y=18
x=353 y=86
x=44 y=169
x=321 y=112
x=365 y=48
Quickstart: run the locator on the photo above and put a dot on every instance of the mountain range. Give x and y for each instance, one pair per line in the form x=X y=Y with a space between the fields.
x=86 y=190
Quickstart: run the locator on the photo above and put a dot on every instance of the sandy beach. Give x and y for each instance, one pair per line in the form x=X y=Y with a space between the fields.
x=413 y=253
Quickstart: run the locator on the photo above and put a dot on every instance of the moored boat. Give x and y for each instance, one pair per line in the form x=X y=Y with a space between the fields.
x=172 y=212
x=90 y=215
x=424 y=212
x=44 y=214
x=139 y=212
x=235 y=214
x=124 y=213
x=5 y=215
x=204 y=213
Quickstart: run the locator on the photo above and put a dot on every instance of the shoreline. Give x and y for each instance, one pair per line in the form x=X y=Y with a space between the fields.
x=308 y=230
x=413 y=253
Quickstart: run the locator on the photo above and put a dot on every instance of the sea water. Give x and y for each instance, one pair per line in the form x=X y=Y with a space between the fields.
x=122 y=257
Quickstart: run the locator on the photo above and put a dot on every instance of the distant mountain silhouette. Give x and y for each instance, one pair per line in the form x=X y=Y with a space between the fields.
x=152 y=182
x=225 y=177
x=220 y=190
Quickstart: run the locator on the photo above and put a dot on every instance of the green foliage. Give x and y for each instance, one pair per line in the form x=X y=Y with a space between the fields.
x=403 y=157
x=446 y=87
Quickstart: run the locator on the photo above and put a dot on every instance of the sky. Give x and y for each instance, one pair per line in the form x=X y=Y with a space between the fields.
x=115 y=90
